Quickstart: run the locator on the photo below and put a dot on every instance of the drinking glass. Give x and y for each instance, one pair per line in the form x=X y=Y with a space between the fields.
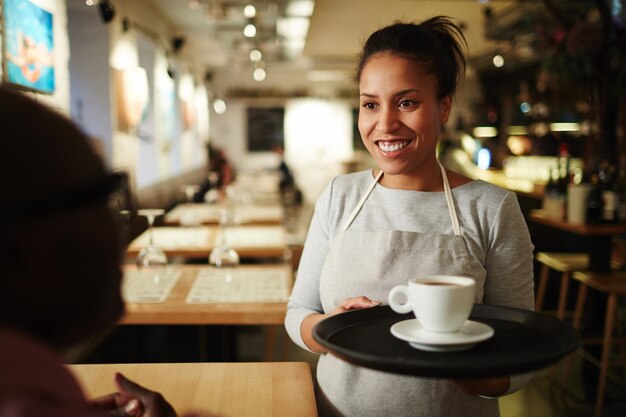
x=213 y=195
x=189 y=215
x=190 y=191
x=151 y=255
x=223 y=255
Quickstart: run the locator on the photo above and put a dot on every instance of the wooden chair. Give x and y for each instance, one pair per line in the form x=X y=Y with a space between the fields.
x=613 y=285
x=566 y=263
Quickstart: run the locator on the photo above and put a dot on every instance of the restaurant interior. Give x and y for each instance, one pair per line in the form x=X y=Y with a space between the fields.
x=228 y=118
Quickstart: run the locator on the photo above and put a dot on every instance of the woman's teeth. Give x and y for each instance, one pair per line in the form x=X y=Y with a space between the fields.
x=392 y=146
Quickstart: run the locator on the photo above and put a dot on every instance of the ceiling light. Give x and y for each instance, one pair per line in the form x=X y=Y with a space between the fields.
x=300 y=8
x=259 y=74
x=90 y=2
x=249 y=31
x=564 y=127
x=498 y=61
x=255 y=55
x=525 y=107
x=292 y=27
x=484 y=158
x=517 y=130
x=485 y=132
x=219 y=106
x=249 y=11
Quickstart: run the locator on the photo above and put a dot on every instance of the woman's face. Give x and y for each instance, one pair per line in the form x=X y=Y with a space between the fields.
x=400 y=117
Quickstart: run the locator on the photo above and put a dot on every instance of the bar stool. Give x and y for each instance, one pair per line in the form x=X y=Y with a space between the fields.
x=613 y=284
x=566 y=263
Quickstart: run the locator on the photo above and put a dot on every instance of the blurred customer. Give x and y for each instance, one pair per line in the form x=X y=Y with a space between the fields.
x=220 y=174
x=289 y=192
x=61 y=249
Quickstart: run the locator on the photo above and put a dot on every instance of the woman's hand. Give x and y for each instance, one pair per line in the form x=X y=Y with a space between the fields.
x=133 y=400
x=354 y=304
x=306 y=328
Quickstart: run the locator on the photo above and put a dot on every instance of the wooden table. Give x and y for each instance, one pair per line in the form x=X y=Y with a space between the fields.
x=599 y=237
x=226 y=389
x=176 y=311
x=197 y=242
x=202 y=213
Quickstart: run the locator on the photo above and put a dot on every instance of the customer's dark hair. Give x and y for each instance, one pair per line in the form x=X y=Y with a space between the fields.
x=437 y=43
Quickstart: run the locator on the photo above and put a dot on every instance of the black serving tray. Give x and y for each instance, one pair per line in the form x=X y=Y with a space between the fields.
x=524 y=341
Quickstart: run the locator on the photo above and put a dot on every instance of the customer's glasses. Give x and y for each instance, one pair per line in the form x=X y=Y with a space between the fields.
x=112 y=188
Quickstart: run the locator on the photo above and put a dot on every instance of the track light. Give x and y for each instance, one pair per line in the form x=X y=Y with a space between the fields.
x=177 y=43
x=107 y=10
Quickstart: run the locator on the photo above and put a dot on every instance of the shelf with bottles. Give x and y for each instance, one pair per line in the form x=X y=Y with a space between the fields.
x=606 y=203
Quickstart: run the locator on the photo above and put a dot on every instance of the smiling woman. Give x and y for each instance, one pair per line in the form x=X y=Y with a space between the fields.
x=373 y=230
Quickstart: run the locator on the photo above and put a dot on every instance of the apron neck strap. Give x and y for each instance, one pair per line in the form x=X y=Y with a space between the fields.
x=450 y=200
x=446 y=188
x=361 y=202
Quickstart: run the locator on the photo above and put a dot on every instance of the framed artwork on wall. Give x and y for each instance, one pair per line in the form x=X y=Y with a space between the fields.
x=28 y=46
x=265 y=128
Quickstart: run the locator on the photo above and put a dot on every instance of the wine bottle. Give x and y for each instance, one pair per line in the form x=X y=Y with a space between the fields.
x=610 y=196
x=622 y=195
x=594 y=204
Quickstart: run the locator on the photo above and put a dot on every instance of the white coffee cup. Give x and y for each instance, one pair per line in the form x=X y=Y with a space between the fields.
x=441 y=303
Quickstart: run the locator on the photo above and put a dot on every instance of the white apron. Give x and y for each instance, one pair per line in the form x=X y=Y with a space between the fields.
x=370 y=264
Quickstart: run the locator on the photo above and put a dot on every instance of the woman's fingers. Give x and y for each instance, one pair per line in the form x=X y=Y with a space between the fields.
x=355 y=304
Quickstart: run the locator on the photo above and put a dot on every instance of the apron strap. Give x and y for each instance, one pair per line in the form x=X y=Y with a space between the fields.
x=450 y=200
x=446 y=188
x=361 y=202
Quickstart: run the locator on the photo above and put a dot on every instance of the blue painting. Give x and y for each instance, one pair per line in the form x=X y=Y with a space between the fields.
x=29 y=46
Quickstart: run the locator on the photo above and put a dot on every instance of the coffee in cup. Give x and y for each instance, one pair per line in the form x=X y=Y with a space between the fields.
x=441 y=303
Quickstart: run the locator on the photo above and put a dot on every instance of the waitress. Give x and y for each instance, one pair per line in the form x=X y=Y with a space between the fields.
x=373 y=230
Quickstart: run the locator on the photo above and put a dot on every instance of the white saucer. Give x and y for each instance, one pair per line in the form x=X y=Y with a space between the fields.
x=467 y=336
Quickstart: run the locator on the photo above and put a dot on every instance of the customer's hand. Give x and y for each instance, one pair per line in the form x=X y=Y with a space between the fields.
x=133 y=400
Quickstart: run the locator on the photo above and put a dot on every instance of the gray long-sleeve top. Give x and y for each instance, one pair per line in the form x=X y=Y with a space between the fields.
x=491 y=223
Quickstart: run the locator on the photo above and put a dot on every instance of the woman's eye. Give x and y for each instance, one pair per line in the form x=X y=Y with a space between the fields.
x=407 y=103
x=369 y=105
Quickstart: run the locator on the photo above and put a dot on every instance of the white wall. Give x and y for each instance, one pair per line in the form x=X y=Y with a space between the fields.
x=161 y=146
x=318 y=139
x=90 y=80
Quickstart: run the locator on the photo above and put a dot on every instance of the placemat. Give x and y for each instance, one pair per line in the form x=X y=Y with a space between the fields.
x=245 y=285
x=149 y=285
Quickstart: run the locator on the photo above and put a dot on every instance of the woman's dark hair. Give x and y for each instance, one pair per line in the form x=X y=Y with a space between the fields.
x=437 y=43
